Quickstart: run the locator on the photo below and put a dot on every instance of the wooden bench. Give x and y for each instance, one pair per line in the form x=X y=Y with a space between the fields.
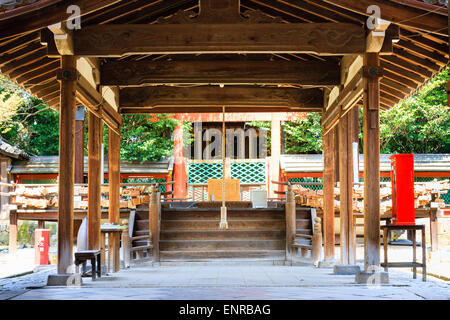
x=81 y=257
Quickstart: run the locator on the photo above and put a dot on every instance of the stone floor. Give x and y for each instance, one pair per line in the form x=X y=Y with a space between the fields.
x=233 y=281
x=236 y=282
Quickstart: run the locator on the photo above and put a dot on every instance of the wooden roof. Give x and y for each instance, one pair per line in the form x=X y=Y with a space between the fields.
x=420 y=53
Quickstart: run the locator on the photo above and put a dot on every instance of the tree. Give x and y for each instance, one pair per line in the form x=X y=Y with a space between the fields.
x=419 y=124
x=146 y=138
x=26 y=121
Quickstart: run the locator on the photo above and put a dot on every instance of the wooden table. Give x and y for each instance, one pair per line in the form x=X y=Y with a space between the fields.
x=113 y=247
x=414 y=264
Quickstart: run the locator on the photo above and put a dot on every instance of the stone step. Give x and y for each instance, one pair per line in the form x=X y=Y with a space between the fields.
x=241 y=224
x=213 y=245
x=221 y=254
x=189 y=234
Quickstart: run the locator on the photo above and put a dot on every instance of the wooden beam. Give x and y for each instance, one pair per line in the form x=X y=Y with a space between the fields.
x=44 y=16
x=151 y=97
x=319 y=38
x=345 y=101
x=328 y=195
x=213 y=109
x=371 y=130
x=63 y=38
x=95 y=138
x=399 y=14
x=66 y=164
x=137 y=73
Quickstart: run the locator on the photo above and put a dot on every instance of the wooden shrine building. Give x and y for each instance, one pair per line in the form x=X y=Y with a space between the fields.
x=120 y=57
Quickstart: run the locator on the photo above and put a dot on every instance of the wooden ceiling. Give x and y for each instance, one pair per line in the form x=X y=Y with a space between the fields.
x=421 y=52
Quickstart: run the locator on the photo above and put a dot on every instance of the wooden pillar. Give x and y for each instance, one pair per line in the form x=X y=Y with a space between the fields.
x=371 y=130
x=66 y=163
x=12 y=233
x=179 y=167
x=114 y=176
x=95 y=137
x=353 y=122
x=154 y=220
x=275 y=140
x=79 y=145
x=328 y=194
x=346 y=136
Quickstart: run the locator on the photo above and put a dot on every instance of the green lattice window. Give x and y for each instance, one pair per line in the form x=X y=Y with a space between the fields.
x=246 y=172
x=202 y=172
x=309 y=179
x=146 y=180
x=249 y=172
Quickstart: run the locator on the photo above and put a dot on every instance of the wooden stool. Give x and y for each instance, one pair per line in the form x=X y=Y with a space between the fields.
x=386 y=229
x=81 y=257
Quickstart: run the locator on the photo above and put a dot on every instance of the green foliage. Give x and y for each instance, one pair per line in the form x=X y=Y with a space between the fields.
x=144 y=139
x=301 y=136
x=27 y=122
x=304 y=136
x=419 y=124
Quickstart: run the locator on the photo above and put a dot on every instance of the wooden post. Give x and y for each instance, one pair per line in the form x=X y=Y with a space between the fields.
x=41 y=224
x=66 y=163
x=154 y=220
x=114 y=176
x=12 y=233
x=291 y=218
x=95 y=138
x=328 y=194
x=346 y=136
x=343 y=186
x=316 y=241
x=114 y=192
x=275 y=139
x=126 y=247
x=353 y=123
x=371 y=129
x=79 y=145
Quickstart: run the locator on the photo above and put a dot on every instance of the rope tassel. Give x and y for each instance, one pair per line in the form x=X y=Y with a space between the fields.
x=223 y=218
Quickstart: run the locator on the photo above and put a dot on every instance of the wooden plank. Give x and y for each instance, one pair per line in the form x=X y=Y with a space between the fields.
x=328 y=195
x=95 y=138
x=231 y=96
x=137 y=73
x=114 y=176
x=319 y=38
x=214 y=108
x=371 y=122
x=232 y=187
x=66 y=165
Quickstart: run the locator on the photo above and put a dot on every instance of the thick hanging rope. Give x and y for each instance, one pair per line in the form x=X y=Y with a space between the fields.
x=223 y=209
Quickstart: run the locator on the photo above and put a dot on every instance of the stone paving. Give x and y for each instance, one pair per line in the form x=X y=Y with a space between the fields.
x=235 y=282
x=232 y=281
